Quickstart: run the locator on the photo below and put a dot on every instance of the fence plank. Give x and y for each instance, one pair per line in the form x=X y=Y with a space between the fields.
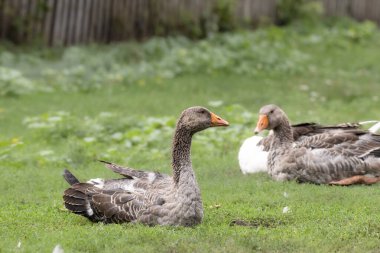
x=79 y=22
x=114 y=22
x=371 y=9
x=99 y=21
x=105 y=24
x=55 y=36
x=30 y=20
x=3 y=23
x=73 y=21
x=68 y=16
x=40 y=12
x=85 y=21
x=342 y=7
x=327 y=5
x=377 y=15
x=358 y=9
x=49 y=22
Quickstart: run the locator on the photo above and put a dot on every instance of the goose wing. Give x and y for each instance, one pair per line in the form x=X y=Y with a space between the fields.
x=308 y=134
x=327 y=139
x=365 y=146
x=349 y=142
x=310 y=129
x=132 y=173
x=319 y=166
x=349 y=155
x=108 y=206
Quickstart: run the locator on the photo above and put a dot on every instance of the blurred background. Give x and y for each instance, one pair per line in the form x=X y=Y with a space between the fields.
x=71 y=22
x=157 y=57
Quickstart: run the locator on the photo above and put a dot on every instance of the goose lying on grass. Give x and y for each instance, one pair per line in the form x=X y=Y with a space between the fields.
x=253 y=153
x=150 y=198
x=341 y=157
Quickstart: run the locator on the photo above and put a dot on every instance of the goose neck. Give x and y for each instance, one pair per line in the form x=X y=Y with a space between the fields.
x=283 y=135
x=181 y=162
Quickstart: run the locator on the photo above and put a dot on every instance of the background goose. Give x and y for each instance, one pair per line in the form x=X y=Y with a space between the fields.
x=253 y=153
x=148 y=197
x=336 y=157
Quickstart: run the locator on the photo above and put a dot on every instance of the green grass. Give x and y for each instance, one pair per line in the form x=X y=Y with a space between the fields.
x=336 y=85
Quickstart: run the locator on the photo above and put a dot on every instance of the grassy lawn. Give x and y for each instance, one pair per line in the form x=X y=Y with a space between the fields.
x=41 y=133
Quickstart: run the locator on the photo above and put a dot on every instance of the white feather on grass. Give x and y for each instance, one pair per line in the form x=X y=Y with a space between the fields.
x=58 y=249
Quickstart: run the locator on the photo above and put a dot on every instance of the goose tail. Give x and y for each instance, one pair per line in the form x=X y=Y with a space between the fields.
x=69 y=177
x=75 y=197
x=77 y=200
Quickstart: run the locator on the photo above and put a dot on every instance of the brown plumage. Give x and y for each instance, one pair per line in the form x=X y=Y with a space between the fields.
x=299 y=131
x=328 y=157
x=150 y=198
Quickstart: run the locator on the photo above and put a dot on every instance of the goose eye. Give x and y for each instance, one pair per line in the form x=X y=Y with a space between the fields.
x=271 y=111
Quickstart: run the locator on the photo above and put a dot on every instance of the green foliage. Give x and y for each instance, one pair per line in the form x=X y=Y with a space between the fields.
x=361 y=33
x=288 y=10
x=21 y=28
x=271 y=51
x=224 y=15
x=304 y=11
x=12 y=82
x=124 y=135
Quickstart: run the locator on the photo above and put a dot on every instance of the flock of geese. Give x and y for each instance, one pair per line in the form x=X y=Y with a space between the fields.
x=341 y=155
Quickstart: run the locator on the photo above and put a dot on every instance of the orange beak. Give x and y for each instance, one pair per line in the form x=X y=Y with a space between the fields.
x=262 y=123
x=218 y=121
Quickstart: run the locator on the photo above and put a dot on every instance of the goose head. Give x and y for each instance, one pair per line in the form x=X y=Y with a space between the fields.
x=197 y=118
x=270 y=117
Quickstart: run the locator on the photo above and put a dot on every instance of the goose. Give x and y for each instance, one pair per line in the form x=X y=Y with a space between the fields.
x=150 y=198
x=340 y=157
x=253 y=153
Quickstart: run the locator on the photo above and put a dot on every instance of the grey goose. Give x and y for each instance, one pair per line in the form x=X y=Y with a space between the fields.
x=150 y=198
x=341 y=157
x=253 y=153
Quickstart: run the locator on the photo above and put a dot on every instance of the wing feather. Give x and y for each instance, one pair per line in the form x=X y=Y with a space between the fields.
x=117 y=206
x=125 y=171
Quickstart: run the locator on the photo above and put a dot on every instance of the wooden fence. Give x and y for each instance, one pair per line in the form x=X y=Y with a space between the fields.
x=358 y=9
x=68 y=22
